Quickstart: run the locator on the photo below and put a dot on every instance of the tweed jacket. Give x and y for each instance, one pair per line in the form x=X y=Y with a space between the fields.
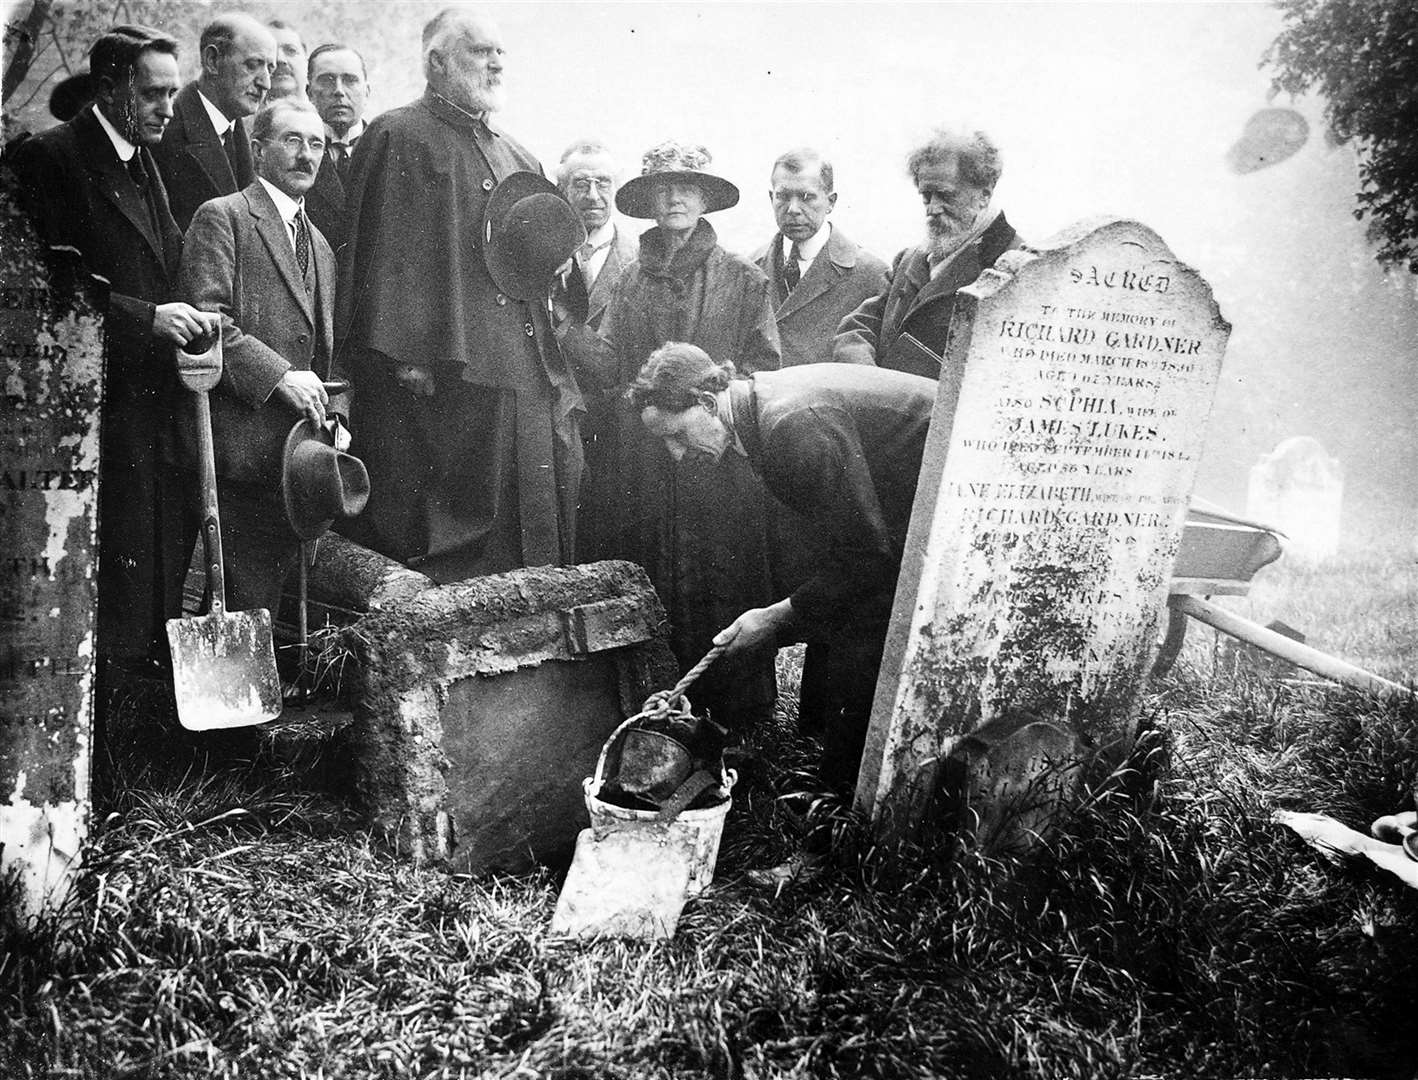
x=841 y=277
x=238 y=261
x=917 y=306
x=193 y=162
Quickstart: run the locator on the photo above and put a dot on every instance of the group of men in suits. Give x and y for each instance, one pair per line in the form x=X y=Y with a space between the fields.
x=270 y=190
x=121 y=183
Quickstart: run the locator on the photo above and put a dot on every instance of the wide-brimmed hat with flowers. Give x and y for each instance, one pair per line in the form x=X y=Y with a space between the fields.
x=674 y=161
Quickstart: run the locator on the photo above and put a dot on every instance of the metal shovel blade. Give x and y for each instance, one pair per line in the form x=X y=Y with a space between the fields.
x=224 y=670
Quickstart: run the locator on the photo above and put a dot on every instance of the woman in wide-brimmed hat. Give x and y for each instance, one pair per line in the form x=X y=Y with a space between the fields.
x=698 y=530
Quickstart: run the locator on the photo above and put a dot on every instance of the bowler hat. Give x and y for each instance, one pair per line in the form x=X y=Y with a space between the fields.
x=318 y=482
x=529 y=229
x=674 y=161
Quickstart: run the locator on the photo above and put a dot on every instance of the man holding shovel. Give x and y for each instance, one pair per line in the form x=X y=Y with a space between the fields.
x=254 y=257
x=92 y=185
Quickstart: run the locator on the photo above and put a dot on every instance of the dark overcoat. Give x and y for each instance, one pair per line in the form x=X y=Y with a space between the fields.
x=841 y=277
x=325 y=204
x=915 y=305
x=482 y=476
x=82 y=196
x=842 y=446
x=193 y=161
x=700 y=532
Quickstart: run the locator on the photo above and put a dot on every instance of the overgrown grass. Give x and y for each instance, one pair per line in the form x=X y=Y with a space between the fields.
x=231 y=924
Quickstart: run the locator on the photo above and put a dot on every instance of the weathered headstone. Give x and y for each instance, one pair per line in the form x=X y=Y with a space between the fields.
x=51 y=341
x=1298 y=488
x=1062 y=452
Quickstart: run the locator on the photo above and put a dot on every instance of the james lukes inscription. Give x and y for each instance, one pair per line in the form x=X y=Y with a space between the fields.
x=51 y=363
x=1060 y=463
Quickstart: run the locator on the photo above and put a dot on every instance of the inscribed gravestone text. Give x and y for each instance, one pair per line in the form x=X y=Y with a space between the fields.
x=51 y=362
x=1061 y=458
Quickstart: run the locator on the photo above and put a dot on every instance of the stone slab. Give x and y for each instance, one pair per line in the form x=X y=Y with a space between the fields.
x=481 y=706
x=51 y=365
x=1079 y=377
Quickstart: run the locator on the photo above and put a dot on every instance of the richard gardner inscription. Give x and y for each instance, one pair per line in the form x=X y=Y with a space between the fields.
x=51 y=362
x=1062 y=453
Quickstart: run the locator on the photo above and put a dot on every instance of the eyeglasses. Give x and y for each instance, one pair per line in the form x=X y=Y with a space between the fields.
x=293 y=143
x=585 y=185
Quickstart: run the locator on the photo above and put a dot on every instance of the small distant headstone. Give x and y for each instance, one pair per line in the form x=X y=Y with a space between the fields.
x=1298 y=489
x=1062 y=453
x=51 y=375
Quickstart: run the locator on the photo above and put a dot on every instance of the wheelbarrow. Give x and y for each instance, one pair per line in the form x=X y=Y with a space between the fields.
x=1219 y=554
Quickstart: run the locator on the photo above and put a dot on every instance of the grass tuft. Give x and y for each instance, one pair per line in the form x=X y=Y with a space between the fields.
x=232 y=921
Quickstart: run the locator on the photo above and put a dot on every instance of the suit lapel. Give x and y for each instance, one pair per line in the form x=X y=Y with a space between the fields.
x=113 y=182
x=204 y=145
x=820 y=277
x=621 y=255
x=272 y=231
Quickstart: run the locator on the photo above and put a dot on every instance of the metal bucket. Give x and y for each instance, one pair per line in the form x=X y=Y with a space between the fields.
x=634 y=869
x=696 y=832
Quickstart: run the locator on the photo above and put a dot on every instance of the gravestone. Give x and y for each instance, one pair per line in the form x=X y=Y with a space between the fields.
x=51 y=340
x=1298 y=489
x=1063 y=447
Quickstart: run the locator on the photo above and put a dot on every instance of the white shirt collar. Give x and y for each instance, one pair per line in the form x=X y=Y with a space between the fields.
x=809 y=248
x=348 y=138
x=285 y=205
x=726 y=407
x=121 y=146
x=218 y=118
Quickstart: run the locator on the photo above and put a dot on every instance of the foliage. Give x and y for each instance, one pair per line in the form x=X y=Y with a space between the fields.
x=1362 y=56
x=229 y=925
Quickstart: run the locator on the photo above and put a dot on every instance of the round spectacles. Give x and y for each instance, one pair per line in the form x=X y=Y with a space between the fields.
x=293 y=143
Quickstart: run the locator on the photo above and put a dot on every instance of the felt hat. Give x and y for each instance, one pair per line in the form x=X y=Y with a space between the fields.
x=318 y=482
x=529 y=230
x=674 y=161
x=71 y=95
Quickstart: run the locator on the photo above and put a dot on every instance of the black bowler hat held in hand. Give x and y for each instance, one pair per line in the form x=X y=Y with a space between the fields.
x=318 y=482
x=529 y=231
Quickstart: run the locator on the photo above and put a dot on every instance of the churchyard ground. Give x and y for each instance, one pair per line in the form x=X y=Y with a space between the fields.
x=232 y=921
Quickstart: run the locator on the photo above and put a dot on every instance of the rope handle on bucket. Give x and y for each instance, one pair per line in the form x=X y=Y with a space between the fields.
x=659 y=705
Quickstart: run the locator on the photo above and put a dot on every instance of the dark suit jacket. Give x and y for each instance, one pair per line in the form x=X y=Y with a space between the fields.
x=238 y=261
x=841 y=446
x=325 y=204
x=193 y=162
x=915 y=304
x=839 y=279
x=81 y=196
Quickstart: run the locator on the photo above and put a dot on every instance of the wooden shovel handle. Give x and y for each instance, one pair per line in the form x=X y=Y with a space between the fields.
x=211 y=519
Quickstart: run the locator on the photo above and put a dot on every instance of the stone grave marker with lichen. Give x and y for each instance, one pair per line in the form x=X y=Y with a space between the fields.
x=1064 y=444
x=51 y=362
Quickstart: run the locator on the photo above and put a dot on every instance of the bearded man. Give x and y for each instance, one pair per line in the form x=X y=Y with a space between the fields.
x=464 y=412
x=904 y=328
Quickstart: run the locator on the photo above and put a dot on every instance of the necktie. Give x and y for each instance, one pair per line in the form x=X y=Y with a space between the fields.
x=791 y=273
x=229 y=145
x=137 y=172
x=302 y=243
x=342 y=161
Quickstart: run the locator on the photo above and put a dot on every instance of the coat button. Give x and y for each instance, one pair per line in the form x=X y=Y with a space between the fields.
x=487 y=184
x=501 y=300
x=300 y=337
x=527 y=328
